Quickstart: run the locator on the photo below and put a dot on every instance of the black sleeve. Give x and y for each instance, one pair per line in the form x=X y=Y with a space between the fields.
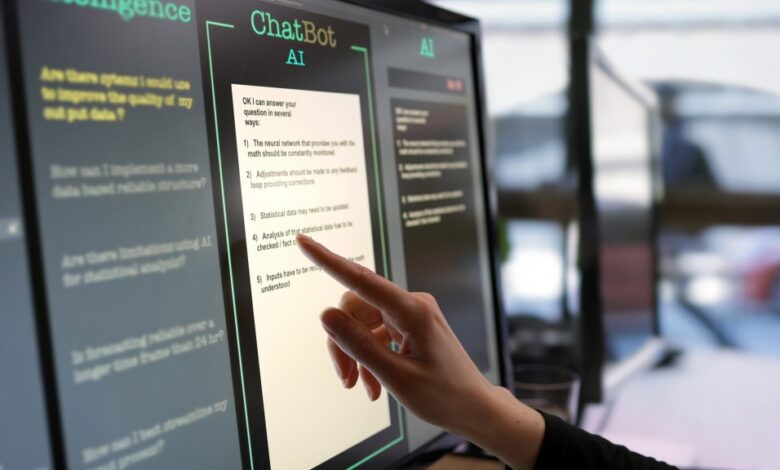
x=566 y=446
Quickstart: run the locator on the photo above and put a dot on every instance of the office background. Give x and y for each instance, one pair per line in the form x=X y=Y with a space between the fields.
x=716 y=77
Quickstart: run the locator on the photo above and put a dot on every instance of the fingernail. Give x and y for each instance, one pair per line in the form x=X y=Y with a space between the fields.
x=346 y=375
x=332 y=320
x=369 y=392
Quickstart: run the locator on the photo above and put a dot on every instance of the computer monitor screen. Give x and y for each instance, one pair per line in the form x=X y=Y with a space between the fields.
x=623 y=140
x=174 y=149
x=119 y=162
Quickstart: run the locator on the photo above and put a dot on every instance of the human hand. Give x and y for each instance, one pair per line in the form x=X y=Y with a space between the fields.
x=430 y=374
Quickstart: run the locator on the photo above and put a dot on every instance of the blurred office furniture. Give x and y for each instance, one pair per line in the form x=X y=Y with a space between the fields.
x=713 y=409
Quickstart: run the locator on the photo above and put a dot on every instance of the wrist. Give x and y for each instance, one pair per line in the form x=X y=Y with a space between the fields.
x=507 y=428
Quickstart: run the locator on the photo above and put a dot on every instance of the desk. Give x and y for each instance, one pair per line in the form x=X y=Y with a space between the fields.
x=713 y=409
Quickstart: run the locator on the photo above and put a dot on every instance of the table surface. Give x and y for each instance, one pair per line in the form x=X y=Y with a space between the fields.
x=714 y=408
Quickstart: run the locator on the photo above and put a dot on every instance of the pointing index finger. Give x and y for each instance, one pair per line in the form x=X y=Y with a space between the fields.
x=368 y=285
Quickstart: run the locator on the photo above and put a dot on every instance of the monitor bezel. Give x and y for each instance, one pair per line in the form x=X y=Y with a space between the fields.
x=32 y=238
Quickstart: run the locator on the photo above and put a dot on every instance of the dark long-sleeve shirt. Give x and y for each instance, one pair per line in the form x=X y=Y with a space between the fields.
x=566 y=446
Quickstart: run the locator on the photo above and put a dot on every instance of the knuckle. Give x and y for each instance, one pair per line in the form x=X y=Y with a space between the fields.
x=412 y=304
x=426 y=319
x=424 y=300
x=439 y=318
x=427 y=298
x=428 y=312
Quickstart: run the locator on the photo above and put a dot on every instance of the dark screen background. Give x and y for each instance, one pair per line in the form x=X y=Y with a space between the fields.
x=442 y=258
x=98 y=413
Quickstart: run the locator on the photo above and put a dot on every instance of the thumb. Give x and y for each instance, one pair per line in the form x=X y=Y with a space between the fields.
x=359 y=343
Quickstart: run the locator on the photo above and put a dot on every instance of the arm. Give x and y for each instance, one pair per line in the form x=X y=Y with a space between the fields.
x=431 y=374
x=567 y=446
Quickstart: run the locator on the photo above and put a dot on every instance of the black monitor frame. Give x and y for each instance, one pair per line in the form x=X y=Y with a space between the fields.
x=32 y=231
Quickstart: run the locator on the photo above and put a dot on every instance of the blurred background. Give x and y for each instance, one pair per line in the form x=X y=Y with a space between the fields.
x=712 y=70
